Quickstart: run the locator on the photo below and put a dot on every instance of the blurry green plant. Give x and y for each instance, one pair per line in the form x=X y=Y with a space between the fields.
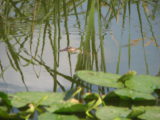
x=126 y=102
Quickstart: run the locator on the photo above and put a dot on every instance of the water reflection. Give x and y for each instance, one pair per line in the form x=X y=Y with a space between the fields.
x=38 y=30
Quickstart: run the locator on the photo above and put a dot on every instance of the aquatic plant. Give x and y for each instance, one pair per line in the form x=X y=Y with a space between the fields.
x=135 y=97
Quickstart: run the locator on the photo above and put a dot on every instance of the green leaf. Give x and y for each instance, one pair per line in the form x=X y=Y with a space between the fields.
x=67 y=107
x=100 y=78
x=112 y=113
x=4 y=99
x=134 y=95
x=20 y=99
x=53 y=102
x=118 y=118
x=151 y=112
x=143 y=83
x=4 y=115
x=51 y=116
x=136 y=111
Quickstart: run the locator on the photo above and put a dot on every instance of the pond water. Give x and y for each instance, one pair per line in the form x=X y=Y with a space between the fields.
x=114 y=38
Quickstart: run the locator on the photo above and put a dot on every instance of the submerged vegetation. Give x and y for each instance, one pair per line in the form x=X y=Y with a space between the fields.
x=30 y=29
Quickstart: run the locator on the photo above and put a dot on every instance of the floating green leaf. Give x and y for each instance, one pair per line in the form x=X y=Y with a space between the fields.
x=136 y=111
x=53 y=101
x=150 y=112
x=67 y=107
x=51 y=116
x=143 y=83
x=128 y=93
x=100 y=78
x=112 y=113
x=20 y=99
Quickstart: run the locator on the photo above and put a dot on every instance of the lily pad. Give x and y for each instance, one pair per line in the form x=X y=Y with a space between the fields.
x=136 y=111
x=53 y=102
x=150 y=112
x=112 y=113
x=67 y=107
x=118 y=118
x=134 y=95
x=51 y=116
x=143 y=83
x=20 y=99
x=100 y=78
